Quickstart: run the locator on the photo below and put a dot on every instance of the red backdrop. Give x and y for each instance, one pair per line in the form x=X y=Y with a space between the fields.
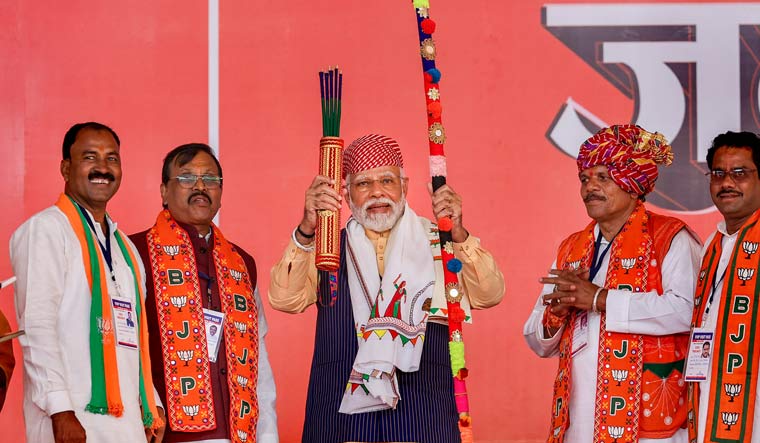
x=142 y=67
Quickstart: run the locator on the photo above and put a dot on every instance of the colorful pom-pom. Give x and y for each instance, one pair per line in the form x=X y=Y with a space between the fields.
x=437 y=165
x=445 y=224
x=465 y=430
x=454 y=265
x=435 y=75
x=456 y=351
x=428 y=26
x=434 y=109
x=456 y=315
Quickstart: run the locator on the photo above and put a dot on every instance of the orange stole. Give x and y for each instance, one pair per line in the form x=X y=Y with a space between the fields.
x=733 y=381
x=640 y=389
x=190 y=405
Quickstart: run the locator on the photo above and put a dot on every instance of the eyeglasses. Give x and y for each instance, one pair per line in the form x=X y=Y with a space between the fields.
x=187 y=181
x=388 y=182
x=736 y=174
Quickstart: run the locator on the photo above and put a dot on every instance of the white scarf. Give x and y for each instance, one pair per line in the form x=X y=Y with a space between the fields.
x=393 y=341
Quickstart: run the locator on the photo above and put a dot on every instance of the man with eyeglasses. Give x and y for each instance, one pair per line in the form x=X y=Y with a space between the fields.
x=724 y=393
x=219 y=387
x=381 y=321
x=617 y=304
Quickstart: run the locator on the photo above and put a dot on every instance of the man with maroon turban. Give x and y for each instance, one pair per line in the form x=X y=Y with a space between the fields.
x=381 y=370
x=616 y=308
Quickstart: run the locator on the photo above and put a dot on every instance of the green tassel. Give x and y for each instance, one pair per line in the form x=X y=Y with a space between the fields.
x=101 y=410
x=456 y=351
x=421 y=3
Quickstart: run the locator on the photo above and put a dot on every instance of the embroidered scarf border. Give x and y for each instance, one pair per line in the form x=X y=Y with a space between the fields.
x=733 y=382
x=190 y=405
x=619 y=379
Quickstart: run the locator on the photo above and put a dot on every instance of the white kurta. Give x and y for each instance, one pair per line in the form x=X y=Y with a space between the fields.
x=728 y=243
x=53 y=301
x=637 y=313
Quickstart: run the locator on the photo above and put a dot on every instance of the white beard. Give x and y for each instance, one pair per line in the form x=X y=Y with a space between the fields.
x=378 y=222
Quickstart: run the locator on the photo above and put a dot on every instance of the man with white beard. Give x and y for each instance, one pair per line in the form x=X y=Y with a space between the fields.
x=381 y=369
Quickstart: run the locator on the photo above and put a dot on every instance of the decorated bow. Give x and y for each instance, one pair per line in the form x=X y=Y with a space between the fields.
x=451 y=265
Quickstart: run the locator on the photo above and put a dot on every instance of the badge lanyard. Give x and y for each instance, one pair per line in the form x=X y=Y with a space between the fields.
x=105 y=249
x=715 y=285
x=209 y=281
x=596 y=263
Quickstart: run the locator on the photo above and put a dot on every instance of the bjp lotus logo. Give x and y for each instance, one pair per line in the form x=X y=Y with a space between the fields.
x=171 y=250
x=236 y=275
x=745 y=275
x=729 y=419
x=628 y=263
x=749 y=247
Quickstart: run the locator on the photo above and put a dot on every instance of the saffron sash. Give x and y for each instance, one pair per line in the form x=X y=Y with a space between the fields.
x=104 y=373
x=733 y=381
x=640 y=389
x=189 y=395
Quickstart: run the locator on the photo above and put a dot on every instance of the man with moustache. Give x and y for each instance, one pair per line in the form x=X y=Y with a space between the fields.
x=390 y=281
x=723 y=404
x=617 y=304
x=86 y=372
x=217 y=388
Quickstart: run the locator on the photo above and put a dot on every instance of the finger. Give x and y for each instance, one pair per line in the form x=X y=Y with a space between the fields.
x=326 y=201
x=440 y=210
x=552 y=296
x=324 y=189
x=319 y=179
x=553 y=280
x=442 y=195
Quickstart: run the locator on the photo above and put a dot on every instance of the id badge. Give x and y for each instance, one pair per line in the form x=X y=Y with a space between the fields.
x=214 y=321
x=700 y=355
x=580 y=332
x=126 y=323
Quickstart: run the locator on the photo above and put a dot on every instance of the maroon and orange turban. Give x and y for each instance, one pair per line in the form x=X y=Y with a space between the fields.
x=369 y=152
x=630 y=153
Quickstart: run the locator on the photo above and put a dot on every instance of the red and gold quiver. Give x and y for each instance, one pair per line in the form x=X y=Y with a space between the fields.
x=328 y=222
x=330 y=165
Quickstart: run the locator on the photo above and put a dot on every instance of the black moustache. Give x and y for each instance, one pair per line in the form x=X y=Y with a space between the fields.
x=105 y=175
x=721 y=193
x=590 y=197
x=198 y=194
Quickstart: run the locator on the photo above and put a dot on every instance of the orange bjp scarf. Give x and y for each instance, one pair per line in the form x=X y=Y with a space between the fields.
x=189 y=396
x=106 y=394
x=733 y=381
x=639 y=378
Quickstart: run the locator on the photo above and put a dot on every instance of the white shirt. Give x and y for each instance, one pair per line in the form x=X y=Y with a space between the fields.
x=728 y=243
x=631 y=313
x=53 y=301
x=266 y=427
x=266 y=394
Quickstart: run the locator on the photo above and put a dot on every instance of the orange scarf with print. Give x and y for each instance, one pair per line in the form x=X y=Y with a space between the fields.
x=640 y=389
x=105 y=391
x=190 y=403
x=733 y=381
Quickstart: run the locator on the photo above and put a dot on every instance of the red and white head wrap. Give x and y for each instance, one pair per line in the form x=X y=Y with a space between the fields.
x=630 y=153
x=369 y=152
